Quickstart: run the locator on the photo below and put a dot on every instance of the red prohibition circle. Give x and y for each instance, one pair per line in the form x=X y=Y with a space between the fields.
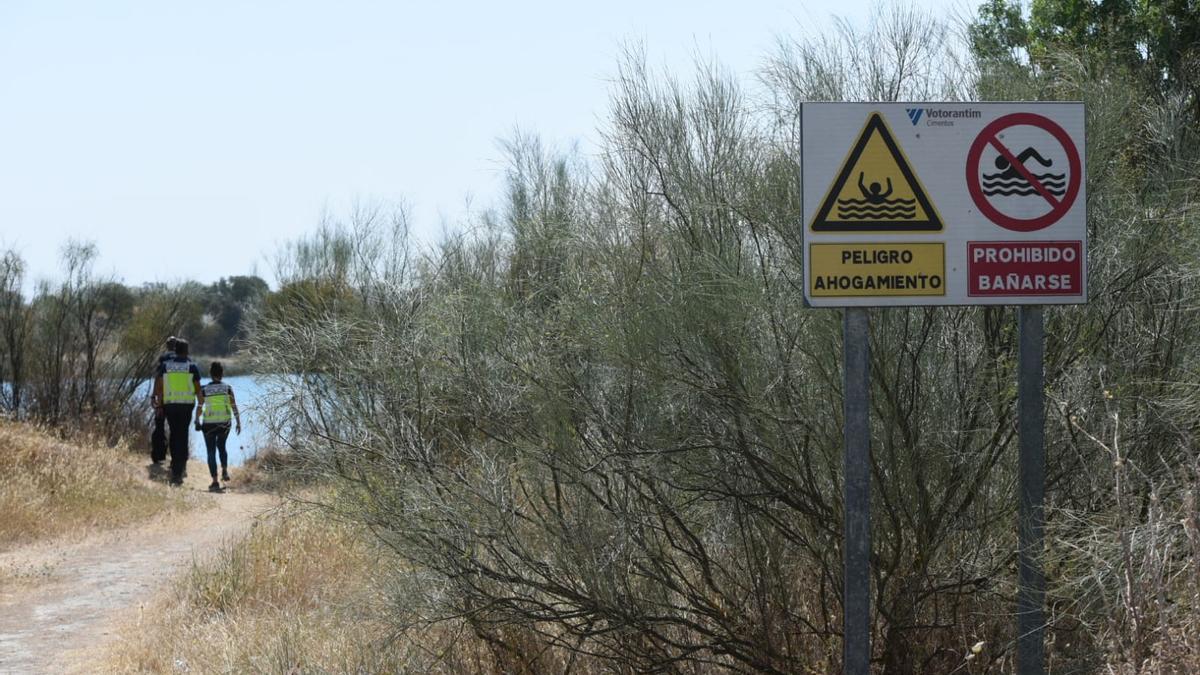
x=988 y=136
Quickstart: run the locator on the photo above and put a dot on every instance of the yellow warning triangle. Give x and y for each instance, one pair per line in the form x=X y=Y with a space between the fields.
x=876 y=190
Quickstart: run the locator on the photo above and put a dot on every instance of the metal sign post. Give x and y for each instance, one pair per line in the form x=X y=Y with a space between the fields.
x=856 y=493
x=1031 y=481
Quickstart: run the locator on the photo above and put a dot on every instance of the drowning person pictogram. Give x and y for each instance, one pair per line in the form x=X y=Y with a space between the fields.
x=876 y=189
x=875 y=203
x=1010 y=181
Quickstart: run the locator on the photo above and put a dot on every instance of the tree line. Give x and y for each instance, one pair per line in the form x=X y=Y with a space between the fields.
x=76 y=351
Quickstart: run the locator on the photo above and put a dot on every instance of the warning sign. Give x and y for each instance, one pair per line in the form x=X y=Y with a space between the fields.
x=858 y=270
x=876 y=189
x=943 y=203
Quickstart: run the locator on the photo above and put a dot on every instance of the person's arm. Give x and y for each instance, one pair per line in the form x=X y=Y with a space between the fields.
x=236 y=415
x=157 y=395
x=199 y=392
x=154 y=385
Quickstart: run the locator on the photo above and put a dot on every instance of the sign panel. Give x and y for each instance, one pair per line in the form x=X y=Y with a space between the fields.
x=1007 y=269
x=943 y=203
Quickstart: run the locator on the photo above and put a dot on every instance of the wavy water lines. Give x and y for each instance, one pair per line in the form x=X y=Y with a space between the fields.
x=1007 y=185
x=880 y=212
x=889 y=202
x=866 y=209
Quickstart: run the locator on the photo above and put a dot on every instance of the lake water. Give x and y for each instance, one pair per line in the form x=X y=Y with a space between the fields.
x=249 y=392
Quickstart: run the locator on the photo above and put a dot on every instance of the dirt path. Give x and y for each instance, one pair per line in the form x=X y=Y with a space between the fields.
x=90 y=583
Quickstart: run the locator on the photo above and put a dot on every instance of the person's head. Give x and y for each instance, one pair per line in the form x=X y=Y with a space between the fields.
x=216 y=370
x=171 y=343
x=181 y=347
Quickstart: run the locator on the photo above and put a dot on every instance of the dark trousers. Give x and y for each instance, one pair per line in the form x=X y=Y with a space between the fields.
x=214 y=441
x=179 y=419
x=158 y=438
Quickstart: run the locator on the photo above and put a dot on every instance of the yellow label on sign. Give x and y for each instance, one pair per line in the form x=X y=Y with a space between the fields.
x=876 y=189
x=865 y=270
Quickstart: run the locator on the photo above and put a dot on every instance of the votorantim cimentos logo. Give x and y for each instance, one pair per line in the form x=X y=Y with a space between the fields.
x=940 y=117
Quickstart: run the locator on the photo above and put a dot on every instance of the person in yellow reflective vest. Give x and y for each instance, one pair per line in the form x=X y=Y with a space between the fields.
x=158 y=437
x=176 y=391
x=220 y=408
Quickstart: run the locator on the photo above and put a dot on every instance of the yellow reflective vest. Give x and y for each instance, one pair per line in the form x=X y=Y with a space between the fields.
x=178 y=376
x=218 y=403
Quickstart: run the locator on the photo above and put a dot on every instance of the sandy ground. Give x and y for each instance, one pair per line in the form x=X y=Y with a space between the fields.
x=71 y=594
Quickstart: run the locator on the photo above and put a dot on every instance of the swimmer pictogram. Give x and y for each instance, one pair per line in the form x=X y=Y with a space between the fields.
x=1010 y=180
x=876 y=189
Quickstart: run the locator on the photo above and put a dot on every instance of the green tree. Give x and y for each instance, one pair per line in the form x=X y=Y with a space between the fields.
x=999 y=34
x=1158 y=41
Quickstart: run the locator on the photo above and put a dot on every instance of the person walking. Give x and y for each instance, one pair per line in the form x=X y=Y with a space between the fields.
x=177 y=390
x=158 y=437
x=220 y=407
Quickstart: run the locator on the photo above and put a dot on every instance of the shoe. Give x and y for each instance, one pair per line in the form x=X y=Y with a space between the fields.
x=225 y=475
x=215 y=487
x=175 y=482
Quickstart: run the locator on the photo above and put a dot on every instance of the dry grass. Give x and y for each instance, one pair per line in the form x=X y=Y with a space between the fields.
x=270 y=470
x=297 y=594
x=52 y=488
x=304 y=594
x=287 y=597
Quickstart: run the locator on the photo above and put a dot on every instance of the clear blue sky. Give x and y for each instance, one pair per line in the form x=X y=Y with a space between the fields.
x=230 y=126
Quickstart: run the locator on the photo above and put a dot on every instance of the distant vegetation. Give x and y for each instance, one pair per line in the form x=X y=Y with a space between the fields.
x=74 y=353
x=215 y=319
